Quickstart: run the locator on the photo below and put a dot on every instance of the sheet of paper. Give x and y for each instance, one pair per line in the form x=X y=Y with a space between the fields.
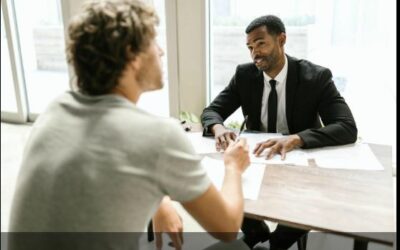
x=254 y=138
x=296 y=157
x=354 y=156
x=251 y=178
x=205 y=145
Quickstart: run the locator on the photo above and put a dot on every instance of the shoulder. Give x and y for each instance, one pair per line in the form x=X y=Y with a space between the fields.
x=246 y=73
x=309 y=71
x=171 y=126
x=247 y=68
x=169 y=130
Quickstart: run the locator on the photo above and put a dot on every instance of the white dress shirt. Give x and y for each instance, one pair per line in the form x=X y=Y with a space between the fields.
x=281 y=122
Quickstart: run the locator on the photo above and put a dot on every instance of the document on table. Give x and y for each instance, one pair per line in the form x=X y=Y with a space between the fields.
x=254 y=138
x=251 y=178
x=295 y=157
x=206 y=145
x=353 y=156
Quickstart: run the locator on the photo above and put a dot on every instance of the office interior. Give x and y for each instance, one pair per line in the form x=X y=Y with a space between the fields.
x=204 y=41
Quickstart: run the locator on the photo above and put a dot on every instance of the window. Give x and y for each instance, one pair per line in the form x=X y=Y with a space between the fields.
x=157 y=102
x=40 y=44
x=355 y=39
x=41 y=37
x=8 y=98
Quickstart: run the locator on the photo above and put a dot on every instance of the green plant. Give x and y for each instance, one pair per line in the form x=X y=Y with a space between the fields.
x=234 y=125
x=189 y=117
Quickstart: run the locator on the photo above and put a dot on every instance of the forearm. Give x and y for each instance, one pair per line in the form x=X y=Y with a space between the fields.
x=339 y=124
x=222 y=107
x=330 y=135
x=210 y=117
x=215 y=127
x=233 y=195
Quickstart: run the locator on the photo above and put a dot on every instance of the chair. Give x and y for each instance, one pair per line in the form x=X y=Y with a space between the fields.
x=301 y=243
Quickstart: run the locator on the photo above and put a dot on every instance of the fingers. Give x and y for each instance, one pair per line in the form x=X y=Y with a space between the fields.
x=220 y=141
x=261 y=146
x=287 y=146
x=176 y=240
x=272 y=151
x=181 y=236
x=232 y=136
x=159 y=241
x=181 y=230
x=217 y=146
x=283 y=153
x=258 y=145
x=282 y=148
x=223 y=141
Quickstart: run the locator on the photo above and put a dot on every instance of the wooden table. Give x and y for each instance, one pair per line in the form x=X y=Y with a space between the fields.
x=353 y=203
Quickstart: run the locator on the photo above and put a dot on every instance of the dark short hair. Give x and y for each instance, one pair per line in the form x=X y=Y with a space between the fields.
x=104 y=37
x=273 y=24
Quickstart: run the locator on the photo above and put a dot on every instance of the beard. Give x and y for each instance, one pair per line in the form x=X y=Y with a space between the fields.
x=150 y=80
x=267 y=62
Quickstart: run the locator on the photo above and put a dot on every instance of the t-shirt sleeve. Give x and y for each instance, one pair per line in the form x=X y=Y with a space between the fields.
x=181 y=175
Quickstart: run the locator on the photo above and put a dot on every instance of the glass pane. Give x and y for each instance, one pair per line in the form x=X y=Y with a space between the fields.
x=8 y=99
x=41 y=37
x=157 y=102
x=355 y=39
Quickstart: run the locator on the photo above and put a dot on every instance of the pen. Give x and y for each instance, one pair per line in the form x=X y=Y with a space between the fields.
x=242 y=127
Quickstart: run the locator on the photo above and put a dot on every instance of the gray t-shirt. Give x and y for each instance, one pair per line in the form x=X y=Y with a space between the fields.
x=100 y=164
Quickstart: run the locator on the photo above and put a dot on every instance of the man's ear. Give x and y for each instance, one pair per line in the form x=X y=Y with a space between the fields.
x=135 y=63
x=282 y=39
x=135 y=60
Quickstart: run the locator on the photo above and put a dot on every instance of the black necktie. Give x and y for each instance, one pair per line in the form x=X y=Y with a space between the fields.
x=272 y=107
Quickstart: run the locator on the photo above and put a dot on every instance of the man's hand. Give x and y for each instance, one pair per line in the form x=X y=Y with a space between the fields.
x=279 y=146
x=223 y=136
x=167 y=220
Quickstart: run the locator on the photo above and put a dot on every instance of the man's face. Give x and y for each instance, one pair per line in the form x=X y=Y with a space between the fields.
x=150 y=74
x=266 y=50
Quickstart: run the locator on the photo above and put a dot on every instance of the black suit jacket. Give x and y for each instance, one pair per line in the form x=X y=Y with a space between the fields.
x=311 y=97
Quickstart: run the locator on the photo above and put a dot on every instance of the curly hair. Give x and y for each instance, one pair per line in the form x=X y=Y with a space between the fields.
x=104 y=38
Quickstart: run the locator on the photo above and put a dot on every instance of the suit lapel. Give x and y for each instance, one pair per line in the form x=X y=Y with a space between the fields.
x=291 y=86
x=257 y=94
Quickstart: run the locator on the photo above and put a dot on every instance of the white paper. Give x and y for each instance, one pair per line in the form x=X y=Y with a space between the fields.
x=295 y=157
x=254 y=138
x=251 y=178
x=354 y=156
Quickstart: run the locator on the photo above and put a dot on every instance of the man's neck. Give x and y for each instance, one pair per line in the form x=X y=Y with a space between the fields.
x=130 y=95
x=128 y=86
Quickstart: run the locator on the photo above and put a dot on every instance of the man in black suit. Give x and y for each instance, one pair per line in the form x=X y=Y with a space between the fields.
x=280 y=94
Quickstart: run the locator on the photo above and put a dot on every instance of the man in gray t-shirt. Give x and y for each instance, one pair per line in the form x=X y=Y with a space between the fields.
x=95 y=162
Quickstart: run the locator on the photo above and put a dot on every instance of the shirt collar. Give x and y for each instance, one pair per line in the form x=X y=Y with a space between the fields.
x=281 y=76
